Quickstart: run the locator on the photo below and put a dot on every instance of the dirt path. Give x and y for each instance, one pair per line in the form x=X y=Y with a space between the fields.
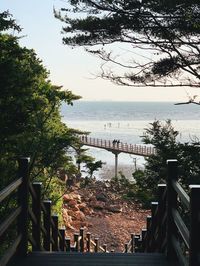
x=104 y=214
x=114 y=229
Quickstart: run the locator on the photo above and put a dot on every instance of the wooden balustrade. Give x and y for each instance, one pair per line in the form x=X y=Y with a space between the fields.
x=43 y=234
x=130 y=246
x=167 y=232
x=84 y=243
x=20 y=214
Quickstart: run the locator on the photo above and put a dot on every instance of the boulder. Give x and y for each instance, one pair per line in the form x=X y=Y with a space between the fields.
x=87 y=211
x=102 y=197
x=66 y=198
x=74 y=208
x=72 y=203
x=70 y=213
x=66 y=217
x=76 y=197
x=78 y=215
x=92 y=198
x=98 y=205
x=114 y=208
x=82 y=206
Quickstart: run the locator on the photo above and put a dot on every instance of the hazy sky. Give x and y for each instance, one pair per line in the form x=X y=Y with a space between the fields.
x=74 y=68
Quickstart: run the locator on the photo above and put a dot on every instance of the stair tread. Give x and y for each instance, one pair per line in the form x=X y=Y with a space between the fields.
x=94 y=259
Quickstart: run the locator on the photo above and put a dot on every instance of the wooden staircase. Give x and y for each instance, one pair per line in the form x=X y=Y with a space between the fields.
x=93 y=259
x=168 y=240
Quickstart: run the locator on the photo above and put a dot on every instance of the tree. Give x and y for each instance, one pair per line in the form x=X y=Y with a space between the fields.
x=164 y=139
x=30 y=121
x=87 y=161
x=30 y=111
x=94 y=166
x=82 y=157
x=159 y=39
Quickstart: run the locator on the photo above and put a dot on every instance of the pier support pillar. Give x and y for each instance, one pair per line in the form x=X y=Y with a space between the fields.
x=116 y=162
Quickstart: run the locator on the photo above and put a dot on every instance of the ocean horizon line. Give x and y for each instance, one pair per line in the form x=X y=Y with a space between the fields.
x=132 y=101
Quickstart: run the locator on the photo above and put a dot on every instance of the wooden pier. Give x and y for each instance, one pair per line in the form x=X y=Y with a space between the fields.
x=117 y=147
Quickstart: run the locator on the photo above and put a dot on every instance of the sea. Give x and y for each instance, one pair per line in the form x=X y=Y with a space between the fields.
x=127 y=121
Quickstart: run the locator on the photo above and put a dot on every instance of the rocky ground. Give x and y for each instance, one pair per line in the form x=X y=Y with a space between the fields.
x=103 y=213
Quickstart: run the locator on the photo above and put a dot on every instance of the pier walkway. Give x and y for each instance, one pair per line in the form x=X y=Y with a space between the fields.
x=116 y=148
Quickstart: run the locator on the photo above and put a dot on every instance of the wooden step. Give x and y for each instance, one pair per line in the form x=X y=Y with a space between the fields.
x=93 y=259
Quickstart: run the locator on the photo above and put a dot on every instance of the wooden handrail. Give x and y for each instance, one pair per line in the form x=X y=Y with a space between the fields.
x=43 y=208
x=179 y=251
x=43 y=233
x=181 y=193
x=10 y=188
x=183 y=230
x=166 y=230
x=32 y=216
x=32 y=241
x=20 y=214
x=43 y=230
x=9 y=220
x=10 y=252
x=32 y=192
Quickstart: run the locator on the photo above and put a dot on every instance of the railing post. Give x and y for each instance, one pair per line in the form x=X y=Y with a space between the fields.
x=96 y=240
x=55 y=233
x=126 y=248
x=23 y=197
x=88 y=235
x=161 y=215
x=82 y=240
x=76 y=242
x=132 y=243
x=62 y=239
x=148 y=237
x=68 y=244
x=36 y=208
x=154 y=225
x=47 y=224
x=137 y=243
x=194 y=252
x=144 y=235
x=172 y=176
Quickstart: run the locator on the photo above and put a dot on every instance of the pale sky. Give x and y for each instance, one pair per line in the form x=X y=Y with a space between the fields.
x=74 y=68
